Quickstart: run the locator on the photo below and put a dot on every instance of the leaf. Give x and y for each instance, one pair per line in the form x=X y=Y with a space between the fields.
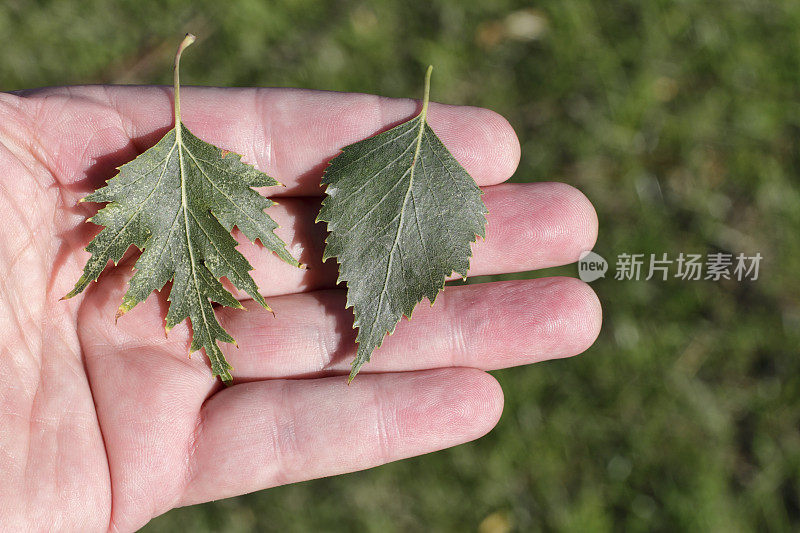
x=178 y=202
x=401 y=213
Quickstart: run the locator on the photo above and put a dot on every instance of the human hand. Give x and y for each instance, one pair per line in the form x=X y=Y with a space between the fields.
x=105 y=426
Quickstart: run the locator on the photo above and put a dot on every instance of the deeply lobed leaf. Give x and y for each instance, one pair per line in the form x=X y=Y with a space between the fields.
x=178 y=202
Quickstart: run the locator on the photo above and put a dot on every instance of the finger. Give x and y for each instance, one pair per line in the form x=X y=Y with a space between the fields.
x=529 y=226
x=288 y=133
x=262 y=434
x=487 y=326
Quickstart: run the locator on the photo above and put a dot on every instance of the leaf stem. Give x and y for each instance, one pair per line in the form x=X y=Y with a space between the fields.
x=189 y=39
x=427 y=94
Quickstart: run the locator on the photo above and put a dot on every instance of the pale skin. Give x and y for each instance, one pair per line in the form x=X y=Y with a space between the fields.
x=105 y=425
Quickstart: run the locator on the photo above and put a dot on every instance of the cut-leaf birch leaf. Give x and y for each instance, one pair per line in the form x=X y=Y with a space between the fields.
x=401 y=215
x=178 y=202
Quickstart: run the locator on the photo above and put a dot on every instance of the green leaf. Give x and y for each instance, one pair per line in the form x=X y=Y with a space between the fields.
x=178 y=202
x=401 y=213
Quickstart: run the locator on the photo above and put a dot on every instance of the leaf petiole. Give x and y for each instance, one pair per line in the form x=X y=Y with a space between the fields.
x=189 y=39
x=427 y=94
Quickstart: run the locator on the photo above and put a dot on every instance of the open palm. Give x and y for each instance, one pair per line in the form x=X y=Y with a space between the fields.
x=105 y=426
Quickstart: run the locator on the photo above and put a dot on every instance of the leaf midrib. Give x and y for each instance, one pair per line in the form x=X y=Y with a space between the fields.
x=417 y=150
x=185 y=207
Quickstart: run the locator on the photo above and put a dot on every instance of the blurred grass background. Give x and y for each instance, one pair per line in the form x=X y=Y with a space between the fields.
x=678 y=119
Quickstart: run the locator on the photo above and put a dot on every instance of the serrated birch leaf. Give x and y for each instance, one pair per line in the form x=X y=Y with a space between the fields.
x=178 y=202
x=401 y=215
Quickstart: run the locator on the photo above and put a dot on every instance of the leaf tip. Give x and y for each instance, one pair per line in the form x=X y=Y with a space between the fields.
x=77 y=289
x=70 y=294
x=356 y=367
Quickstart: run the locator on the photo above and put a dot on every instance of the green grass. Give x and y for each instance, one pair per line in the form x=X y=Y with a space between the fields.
x=678 y=119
